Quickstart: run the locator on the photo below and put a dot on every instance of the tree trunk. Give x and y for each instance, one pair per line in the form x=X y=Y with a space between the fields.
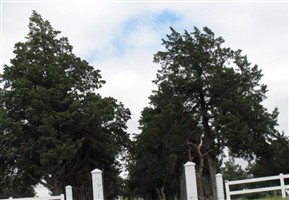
x=199 y=178
x=161 y=194
x=200 y=169
x=213 y=165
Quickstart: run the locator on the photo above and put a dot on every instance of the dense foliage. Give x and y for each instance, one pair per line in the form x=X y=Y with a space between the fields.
x=55 y=128
x=209 y=99
x=275 y=161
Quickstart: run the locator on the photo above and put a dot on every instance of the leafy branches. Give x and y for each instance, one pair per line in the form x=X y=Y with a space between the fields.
x=54 y=127
x=213 y=95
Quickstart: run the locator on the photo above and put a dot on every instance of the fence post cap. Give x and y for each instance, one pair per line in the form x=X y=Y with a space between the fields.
x=68 y=186
x=96 y=171
x=189 y=163
x=219 y=174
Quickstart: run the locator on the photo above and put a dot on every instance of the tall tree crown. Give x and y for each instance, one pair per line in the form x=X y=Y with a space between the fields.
x=208 y=100
x=55 y=127
x=218 y=86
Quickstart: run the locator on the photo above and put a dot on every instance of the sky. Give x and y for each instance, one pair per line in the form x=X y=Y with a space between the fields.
x=121 y=37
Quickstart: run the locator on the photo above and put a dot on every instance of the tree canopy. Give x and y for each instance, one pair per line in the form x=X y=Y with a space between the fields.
x=275 y=160
x=208 y=99
x=55 y=127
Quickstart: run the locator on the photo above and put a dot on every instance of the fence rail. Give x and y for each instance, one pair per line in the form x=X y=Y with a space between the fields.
x=281 y=187
x=60 y=197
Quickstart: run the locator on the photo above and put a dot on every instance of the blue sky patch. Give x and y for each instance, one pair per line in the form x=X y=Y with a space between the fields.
x=167 y=17
x=164 y=18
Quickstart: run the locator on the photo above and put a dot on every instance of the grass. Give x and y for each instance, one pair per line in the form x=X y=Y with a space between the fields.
x=271 y=198
x=261 y=196
x=275 y=198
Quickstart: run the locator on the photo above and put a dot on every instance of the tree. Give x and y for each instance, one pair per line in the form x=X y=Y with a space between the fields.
x=158 y=153
x=275 y=161
x=56 y=128
x=232 y=171
x=13 y=182
x=219 y=94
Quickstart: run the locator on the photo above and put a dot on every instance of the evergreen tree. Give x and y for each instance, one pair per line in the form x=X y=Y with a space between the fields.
x=218 y=97
x=54 y=127
x=275 y=161
x=232 y=171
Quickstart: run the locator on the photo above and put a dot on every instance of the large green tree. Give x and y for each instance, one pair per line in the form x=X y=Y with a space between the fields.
x=54 y=127
x=218 y=96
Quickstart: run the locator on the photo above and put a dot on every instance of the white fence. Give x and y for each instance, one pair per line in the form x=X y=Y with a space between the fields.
x=229 y=193
x=191 y=186
x=97 y=187
x=60 y=197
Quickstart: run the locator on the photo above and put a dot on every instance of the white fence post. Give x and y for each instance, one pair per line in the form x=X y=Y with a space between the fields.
x=191 y=182
x=68 y=192
x=282 y=184
x=220 y=187
x=227 y=187
x=97 y=185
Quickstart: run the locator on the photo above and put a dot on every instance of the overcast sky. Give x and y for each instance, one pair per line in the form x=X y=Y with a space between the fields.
x=120 y=38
